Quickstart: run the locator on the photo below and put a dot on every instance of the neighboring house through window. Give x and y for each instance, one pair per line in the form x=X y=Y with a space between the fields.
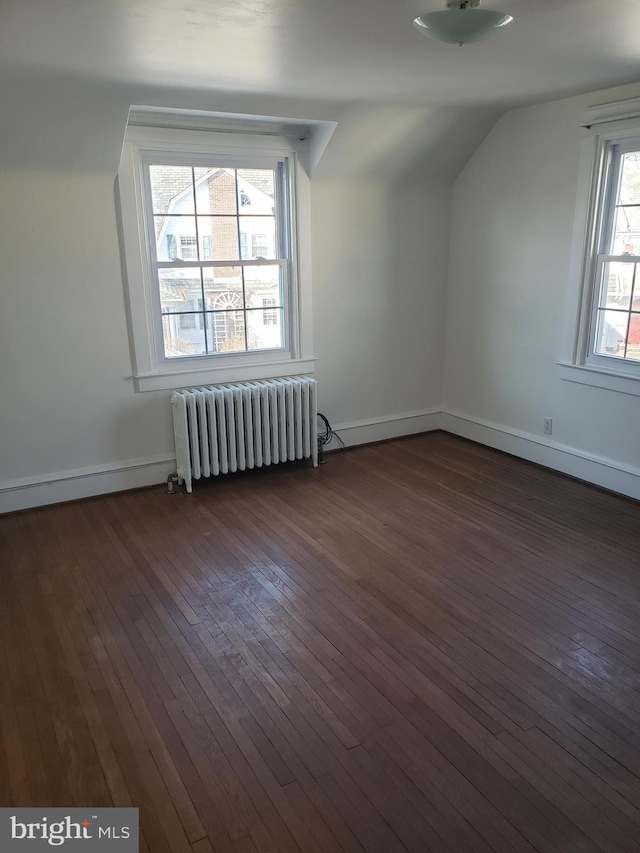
x=189 y=247
x=260 y=245
x=269 y=314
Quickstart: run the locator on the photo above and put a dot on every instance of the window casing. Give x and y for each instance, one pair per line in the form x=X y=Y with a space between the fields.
x=197 y=271
x=614 y=327
x=602 y=330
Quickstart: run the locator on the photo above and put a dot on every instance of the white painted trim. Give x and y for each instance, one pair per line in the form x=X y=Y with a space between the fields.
x=84 y=482
x=137 y=473
x=615 y=111
x=598 y=470
x=142 y=116
x=317 y=132
x=592 y=210
x=388 y=426
x=591 y=375
x=151 y=370
x=229 y=373
x=78 y=483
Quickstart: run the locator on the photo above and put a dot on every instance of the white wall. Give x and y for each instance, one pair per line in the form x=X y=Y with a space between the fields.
x=71 y=423
x=511 y=231
x=380 y=264
x=67 y=397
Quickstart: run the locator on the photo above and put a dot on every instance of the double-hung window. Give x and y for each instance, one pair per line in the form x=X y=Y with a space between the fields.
x=604 y=303
x=615 y=320
x=198 y=202
x=214 y=229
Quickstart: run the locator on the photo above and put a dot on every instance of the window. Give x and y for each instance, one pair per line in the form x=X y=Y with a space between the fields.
x=604 y=345
x=616 y=319
x=260 y=245
x=189 y=248
x=199 y=204
x=210 y=233
x=270 y=316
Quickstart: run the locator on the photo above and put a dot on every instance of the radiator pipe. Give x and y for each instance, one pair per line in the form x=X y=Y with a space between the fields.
x=172 y=484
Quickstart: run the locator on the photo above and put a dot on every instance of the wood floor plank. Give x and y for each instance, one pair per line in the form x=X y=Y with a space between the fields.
x=423 y=645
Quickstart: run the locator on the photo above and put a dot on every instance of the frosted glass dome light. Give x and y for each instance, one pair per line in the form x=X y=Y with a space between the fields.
x=461 y=22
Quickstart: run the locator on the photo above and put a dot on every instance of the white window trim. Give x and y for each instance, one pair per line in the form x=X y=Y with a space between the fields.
x=150 y=371
x=602 y=126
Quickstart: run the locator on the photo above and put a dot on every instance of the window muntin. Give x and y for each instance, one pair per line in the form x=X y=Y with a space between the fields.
x=615 y=317
x=206 y=248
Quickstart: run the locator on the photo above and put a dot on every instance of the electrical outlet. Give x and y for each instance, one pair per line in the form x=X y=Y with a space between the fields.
x=547 y=426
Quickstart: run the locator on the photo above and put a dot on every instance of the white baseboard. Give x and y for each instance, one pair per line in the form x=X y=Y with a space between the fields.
x=390 y=426
x=150 y=471
x=84 y=482
x=137 y=473
x=599 y=470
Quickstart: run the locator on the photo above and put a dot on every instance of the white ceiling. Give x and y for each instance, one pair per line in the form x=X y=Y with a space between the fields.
x=332 y=50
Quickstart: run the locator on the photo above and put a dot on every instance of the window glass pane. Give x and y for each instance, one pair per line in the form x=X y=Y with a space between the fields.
x=179 y=290
x=188 y=321
x=217 y=213
x=611 y=333
x=626 y=238
x=629 y=192
x=617 y=284
x=226 y=331
x=633 y=340
x=176 y=238
x=262 y=283
x=171 y=189
x=255 y=191
x=223 y=288
x=216 y=191
x=220 y=234
x=178 y=341
x=259 y=236
x=261 y=336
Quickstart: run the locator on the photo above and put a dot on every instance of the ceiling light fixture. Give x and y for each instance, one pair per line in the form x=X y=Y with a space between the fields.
x=462 y=21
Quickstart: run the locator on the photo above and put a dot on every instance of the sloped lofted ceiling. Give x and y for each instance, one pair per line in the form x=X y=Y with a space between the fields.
x=77 y=65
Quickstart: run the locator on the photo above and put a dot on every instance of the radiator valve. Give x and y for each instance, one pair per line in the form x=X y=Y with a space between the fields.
x=172 y=484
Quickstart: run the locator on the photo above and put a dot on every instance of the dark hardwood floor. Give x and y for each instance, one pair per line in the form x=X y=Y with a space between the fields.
x=423 y=645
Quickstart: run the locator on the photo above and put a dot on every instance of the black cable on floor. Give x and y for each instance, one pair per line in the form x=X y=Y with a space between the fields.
x=326 y=436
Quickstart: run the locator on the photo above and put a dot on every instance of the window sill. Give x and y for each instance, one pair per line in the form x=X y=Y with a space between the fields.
x=599 y=378
x=169 y=381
